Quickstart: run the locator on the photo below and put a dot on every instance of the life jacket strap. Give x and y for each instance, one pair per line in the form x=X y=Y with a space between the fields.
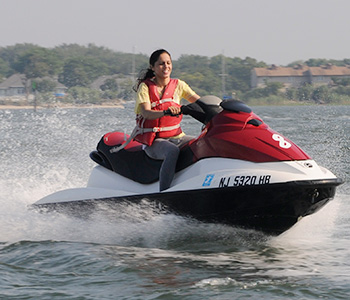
x=159 y=102
x=166 y=128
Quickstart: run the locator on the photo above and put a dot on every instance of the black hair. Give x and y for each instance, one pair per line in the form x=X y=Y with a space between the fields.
x=148 y=73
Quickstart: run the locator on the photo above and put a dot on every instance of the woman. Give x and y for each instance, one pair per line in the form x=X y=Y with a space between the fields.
x=158 y=113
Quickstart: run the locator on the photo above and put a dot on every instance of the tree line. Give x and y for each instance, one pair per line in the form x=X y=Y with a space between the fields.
x=77 y=66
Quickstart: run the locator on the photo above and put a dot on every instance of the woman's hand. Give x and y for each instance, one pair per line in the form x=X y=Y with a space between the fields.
x=175 y=110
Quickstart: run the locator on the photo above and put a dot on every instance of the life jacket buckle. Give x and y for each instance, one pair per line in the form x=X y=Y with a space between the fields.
x=156 y=129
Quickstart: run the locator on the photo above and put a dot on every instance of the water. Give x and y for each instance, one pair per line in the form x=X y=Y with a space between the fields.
x=53 y=256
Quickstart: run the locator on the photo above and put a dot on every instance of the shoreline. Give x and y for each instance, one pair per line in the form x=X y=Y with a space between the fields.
x=119 y=104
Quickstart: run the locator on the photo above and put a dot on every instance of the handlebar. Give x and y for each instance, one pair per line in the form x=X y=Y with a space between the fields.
x=169 y=113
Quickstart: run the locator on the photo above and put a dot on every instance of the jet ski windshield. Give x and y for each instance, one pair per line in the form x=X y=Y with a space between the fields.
x=204 y=109
x=235 y=106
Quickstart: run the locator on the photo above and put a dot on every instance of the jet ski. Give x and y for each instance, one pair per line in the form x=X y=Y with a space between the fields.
x=238 y=171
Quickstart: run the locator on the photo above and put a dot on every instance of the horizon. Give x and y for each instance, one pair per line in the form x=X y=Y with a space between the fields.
x=175 y=59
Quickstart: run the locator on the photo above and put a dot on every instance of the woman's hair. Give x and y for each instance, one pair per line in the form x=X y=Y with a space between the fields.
x=148 y=73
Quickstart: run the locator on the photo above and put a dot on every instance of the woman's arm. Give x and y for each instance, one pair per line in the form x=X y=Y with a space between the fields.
x=194 y=98
x=148 y=113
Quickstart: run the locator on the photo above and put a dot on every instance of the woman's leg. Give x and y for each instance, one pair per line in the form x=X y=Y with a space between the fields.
x=182 y=141
x=168 y=152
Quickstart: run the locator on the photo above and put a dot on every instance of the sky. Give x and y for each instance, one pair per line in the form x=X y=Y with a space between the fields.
x=273 y=31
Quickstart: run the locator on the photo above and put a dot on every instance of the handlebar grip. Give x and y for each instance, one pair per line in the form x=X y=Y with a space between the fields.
x=167 y=112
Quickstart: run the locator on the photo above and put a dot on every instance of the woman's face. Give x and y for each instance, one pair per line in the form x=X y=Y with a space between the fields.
x=163 y=66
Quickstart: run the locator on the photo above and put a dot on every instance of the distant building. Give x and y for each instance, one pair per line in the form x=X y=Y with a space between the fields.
x=60 y=88
x=15 y=85
x=298 y=75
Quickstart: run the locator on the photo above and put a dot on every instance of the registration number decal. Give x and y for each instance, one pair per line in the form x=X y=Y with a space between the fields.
x=242 y=180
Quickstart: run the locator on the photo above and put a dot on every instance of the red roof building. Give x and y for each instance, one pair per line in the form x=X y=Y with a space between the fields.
x=298 y=75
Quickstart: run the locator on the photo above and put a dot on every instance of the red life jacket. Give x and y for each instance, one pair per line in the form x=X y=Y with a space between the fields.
x=163 y=127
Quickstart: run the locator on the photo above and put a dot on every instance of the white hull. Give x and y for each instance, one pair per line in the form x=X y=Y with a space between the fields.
x=206 y=174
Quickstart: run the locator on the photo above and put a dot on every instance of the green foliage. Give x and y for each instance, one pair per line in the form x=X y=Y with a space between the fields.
x=271 y=89
x=4 y=68
x=45 y=98
x=45 y=85
x=204 y=81
x=109 y=94
x=342 y=90
x=110 y=84
x=322 y=94
x=83 y=95
x=192 y=63
x=205 y=75
x=38 y=62
x=78 y=66
x=238 y=73
x=341 y=81
x=305 y=93
x=291 y=93
x=319 y=94
x=126 y=91
x=316 y=62
x=269 y=100
x=11 y=55
x=81 y=71
x=340 y=99
x=116 y=62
